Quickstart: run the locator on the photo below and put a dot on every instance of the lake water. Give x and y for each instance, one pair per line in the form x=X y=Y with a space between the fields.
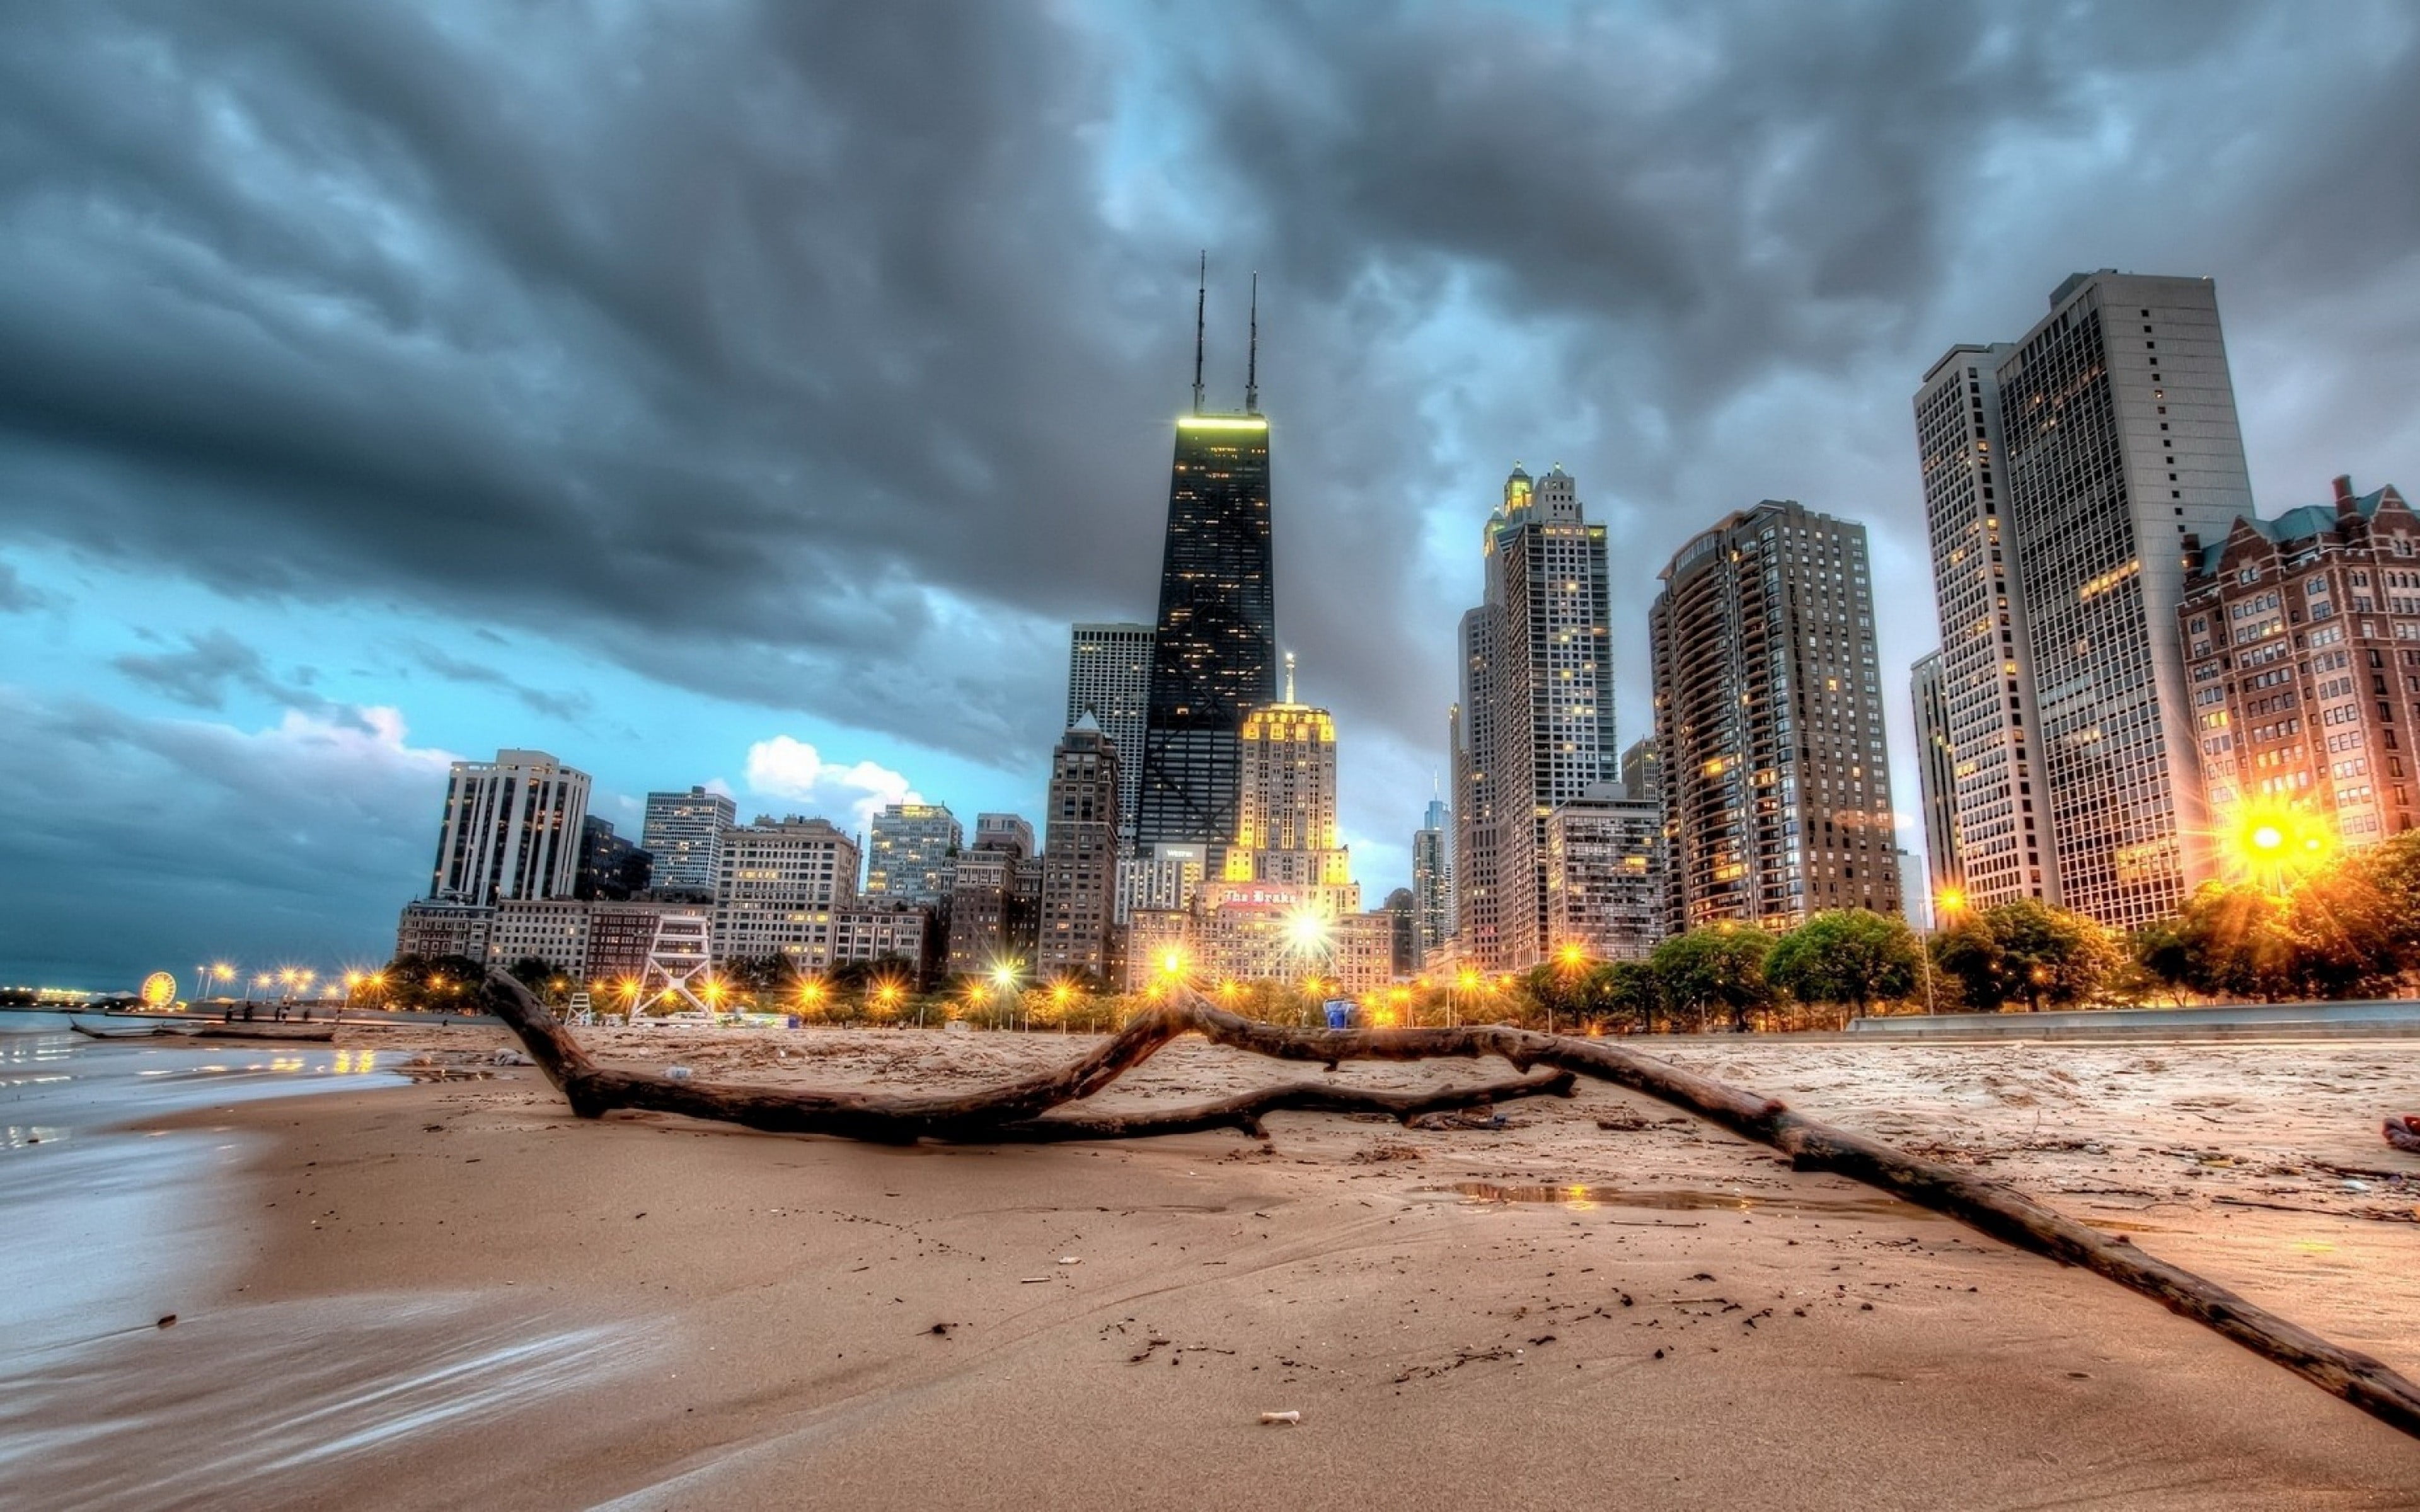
x=104 y=1231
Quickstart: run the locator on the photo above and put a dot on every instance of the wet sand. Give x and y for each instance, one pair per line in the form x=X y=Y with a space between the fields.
x=454 y=1294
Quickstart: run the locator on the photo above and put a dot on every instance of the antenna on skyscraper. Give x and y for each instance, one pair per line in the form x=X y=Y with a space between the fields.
x=1201 y=306
x=1289 y=698
x=1253 y=369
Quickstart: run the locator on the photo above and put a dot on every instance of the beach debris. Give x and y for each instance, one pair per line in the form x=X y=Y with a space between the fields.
x=1071 y=1260
x=167 y=1320
x=509 y=1057
x=678 y=1074
x=1289 y=1419
x=1022 y=1112
x=1033 y=1280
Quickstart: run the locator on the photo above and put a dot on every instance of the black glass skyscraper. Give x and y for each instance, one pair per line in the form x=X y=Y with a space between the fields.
x=1214 y=657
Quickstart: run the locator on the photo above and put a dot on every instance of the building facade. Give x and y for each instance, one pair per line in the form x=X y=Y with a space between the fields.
x=910 y=852
x=781 y=882
x=1768 y=718
x=1605 y=874
x=682 y=834
x=1161 y=877
x=1536 y=715
x=1108 y=677
x=1997 y=795
x=1077 y=929
x=1936 y=769
x=511 y=829
x=994 y=905
x=1432 y=879
x=431 y=928
x=2301 y=638
x=2120 y=440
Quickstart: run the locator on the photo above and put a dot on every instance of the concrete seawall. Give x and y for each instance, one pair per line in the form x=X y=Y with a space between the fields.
x=2235 y=1021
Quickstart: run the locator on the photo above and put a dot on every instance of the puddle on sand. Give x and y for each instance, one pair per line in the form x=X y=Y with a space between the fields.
x=1580 y=1199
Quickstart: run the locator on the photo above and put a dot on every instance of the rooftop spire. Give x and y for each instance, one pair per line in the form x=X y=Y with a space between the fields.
x=1289 y=698
x=1201 y=307
x=1252 y=368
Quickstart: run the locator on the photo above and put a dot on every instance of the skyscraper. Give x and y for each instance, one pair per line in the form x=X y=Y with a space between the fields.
x=1997 y=795
x=1285 y=811
x=1079 y=857
x=1536 y=711
x=909 y=856
x=1214 y=650
x=511 y=829
x=2303 y=642
x=1936 y=763
x=1433 y=878
x=2120 y=441
x=1768 y=720
x=1108 y=677
x=682 y=833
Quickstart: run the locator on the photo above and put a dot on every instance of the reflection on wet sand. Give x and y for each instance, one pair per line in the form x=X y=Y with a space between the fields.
x=254 y=1405
x=1581 y=1198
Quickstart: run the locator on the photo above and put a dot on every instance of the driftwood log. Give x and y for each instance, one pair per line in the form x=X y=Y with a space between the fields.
x=1019 y=1111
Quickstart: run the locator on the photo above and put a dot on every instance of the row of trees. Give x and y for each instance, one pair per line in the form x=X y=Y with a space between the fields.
x=2349 y=929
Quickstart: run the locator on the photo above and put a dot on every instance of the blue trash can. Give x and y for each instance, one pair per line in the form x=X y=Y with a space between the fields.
x=1340 y=1013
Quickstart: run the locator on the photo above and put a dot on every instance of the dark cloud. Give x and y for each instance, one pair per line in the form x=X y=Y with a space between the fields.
x=211 y=662
x=283 y=842
x=17 y=596
x=570 y=707
x=821 y=356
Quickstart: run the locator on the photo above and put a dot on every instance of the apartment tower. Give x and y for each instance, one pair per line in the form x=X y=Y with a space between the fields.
x=1768 y=720
x=2302 y=640
x=2118 y=441
x=512 y=829
x=1535 y=723
x=1996 y=796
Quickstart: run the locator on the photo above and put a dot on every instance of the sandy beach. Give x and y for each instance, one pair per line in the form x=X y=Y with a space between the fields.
x=453 y=1294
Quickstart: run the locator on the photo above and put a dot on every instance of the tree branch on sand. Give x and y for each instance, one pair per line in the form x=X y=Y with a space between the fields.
x=1015 y=1111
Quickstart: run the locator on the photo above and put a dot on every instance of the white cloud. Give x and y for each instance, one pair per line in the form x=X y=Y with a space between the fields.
x=784 y=767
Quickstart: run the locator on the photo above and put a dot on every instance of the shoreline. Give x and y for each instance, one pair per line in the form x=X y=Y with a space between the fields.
x=770 y=1320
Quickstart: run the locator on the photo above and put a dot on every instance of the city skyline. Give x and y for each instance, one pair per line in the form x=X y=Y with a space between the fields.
x=231 y=702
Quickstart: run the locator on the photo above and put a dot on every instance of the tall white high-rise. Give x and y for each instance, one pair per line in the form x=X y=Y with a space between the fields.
x=682 y=833
x=1108 y=677
x=2120 y=441
x=1995 y=802
x=511 y=829
x=1936 y=762
x=1535 y=727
